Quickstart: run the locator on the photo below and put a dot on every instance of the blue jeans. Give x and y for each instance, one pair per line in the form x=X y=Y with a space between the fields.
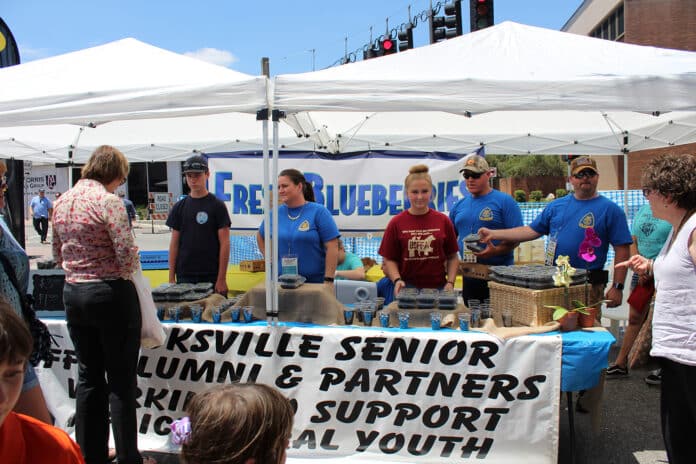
x=104 y=324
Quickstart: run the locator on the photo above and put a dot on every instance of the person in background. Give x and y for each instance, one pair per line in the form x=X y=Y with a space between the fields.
x=669 y=184
x=31 y=400
x=23 y=439
x=93 y=243
x=484 y=207
x=565 y=220
x=419 y=245
x=649 y=235
x=41 y=210
x=235 y=424
x=349 y=265
x=130 y=207
x=307 y=233
x=199 y=248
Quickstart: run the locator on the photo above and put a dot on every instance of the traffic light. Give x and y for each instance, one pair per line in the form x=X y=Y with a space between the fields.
x=405 y=37
x=447 y=26
x=481 y=14
x=372 y=51
x=387 y=46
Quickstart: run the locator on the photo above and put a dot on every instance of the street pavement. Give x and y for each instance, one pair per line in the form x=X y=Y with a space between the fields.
x=629 y=430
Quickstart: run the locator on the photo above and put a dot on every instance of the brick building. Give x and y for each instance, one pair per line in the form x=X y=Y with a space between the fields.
x=659 y=23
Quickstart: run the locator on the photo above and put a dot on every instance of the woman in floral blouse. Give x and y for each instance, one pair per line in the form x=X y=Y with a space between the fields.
x=92 y=241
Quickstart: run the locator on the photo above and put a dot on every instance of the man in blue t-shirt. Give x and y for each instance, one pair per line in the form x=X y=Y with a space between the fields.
x=565 y=221
x=483 y=207
x=41 y=210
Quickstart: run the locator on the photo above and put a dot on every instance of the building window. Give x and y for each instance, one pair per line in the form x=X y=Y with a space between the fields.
x=612 y=28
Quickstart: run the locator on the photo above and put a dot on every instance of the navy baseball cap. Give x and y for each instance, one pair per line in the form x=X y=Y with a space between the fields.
x=196 y=163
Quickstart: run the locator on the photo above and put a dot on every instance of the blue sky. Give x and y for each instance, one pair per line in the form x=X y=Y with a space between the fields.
x=237 y=34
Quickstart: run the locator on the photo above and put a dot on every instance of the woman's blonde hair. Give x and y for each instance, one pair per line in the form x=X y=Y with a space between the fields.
x=418 y=172
x=105 y=165
x=236 y=422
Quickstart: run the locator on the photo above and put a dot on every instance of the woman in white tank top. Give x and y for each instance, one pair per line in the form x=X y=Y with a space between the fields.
x=669 y=184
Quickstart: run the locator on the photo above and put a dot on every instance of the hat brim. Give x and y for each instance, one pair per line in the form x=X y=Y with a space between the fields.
x=195 y=170
x=582 y=168
x=474 y=170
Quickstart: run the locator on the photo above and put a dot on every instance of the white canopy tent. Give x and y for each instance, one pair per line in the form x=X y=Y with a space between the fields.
x=153 y=104
x=507 y=67
x=515 y=88
x=123 y=80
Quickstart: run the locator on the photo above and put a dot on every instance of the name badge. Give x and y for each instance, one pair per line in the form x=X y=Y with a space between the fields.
x=289 y=264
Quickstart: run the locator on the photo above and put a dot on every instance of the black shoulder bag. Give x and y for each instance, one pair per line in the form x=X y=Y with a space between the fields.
x=39 y=332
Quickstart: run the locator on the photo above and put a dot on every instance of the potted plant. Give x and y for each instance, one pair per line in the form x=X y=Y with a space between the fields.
x=566 y=315
x=586 y=252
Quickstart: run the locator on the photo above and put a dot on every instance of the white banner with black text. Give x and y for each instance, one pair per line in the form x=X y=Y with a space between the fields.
x=361 y=395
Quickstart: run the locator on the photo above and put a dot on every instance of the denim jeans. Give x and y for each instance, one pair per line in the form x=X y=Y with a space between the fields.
x=104 y=324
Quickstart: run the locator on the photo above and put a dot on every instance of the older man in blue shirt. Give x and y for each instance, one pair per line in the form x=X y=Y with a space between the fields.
x=41 y=209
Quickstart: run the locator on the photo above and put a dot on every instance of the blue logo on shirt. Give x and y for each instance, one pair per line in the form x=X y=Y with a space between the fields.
x=202 y=217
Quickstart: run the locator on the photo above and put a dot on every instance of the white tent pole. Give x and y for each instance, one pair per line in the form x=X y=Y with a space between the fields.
x=268 y=256
x=70 y=157
x=274 y=175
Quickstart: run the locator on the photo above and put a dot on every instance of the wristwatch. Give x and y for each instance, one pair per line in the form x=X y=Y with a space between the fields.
x=328 y=279
x=618 y=285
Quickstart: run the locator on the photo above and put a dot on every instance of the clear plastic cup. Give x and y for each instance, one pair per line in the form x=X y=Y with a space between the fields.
x=464 y=319
x=348 y=315
x=384 y=319
x=217 y=315
x=475 y=320
x=435 y=320
x=485 y=310
x=174 y=313
x=368 y=315
x=379 y=303
x=196 y=313
x=248 y=312
x=235 y=312
x=404 y=316
x=160 y=313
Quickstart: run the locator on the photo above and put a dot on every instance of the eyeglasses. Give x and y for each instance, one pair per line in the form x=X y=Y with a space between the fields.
x=646 y=192
x=472 y=175
x=586 y=173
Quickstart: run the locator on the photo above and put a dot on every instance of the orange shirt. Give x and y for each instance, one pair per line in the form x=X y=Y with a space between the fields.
x=25 y=440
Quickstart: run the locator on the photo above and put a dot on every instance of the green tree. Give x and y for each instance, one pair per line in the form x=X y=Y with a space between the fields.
x=528 y=165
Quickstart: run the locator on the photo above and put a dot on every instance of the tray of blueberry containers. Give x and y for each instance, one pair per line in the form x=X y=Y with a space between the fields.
x=534 y=276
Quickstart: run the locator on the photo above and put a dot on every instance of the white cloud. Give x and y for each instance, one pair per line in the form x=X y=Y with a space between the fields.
x=213 y=55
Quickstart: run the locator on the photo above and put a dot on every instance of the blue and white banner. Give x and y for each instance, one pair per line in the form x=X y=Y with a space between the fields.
x=362 y=192
x=361 y=395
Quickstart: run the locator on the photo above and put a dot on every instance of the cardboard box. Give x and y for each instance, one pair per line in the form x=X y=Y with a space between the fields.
x=474 y=270
x=256 y=265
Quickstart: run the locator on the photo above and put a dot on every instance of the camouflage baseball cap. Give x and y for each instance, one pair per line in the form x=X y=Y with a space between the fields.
x=582 y=163
x=476 y=164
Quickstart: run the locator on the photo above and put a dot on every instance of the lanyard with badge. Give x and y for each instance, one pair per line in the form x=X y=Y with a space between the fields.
x=289 y=262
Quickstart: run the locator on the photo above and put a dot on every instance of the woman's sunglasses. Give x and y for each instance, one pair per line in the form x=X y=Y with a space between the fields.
x=472 y=175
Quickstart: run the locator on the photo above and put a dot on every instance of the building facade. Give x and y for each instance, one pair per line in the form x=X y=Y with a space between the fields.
x=658 y=23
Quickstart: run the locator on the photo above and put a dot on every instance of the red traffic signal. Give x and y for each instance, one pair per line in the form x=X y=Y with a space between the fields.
x=387 y=46
x=481 y=12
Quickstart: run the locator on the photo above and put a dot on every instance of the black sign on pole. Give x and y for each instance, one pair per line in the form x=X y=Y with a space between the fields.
x=14 y=197
x=9 y=53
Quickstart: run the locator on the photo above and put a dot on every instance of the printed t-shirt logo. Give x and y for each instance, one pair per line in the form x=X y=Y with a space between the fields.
x=486 y=214
x=587 y=221
x=304 y=227
x=201 y=217
x=647 y=228
x=420 y=245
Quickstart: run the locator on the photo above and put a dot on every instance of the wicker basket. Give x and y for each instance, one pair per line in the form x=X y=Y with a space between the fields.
x=527 y=304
